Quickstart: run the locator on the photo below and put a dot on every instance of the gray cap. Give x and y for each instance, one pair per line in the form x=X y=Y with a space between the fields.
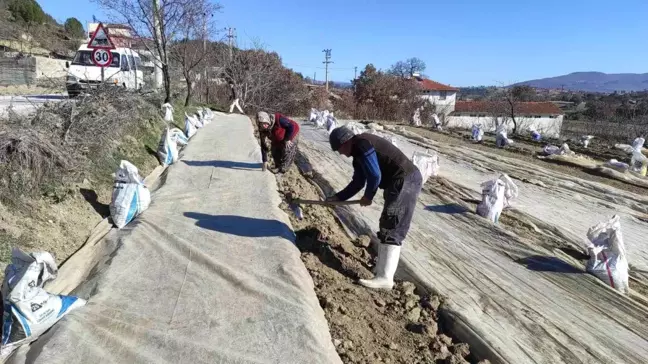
x=340 y=136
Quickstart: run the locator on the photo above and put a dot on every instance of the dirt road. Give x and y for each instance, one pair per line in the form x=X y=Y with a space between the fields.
x=523 y=279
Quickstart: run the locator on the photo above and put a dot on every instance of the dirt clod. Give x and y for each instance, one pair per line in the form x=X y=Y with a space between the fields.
x=461 y=349
x=455 y=359
x=432 y=303
x=363 y=241
x=414 y=314
x=408 y=288
x=447 y=340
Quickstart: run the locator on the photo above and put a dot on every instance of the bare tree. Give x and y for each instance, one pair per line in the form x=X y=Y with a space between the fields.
x=158 y=24
x=190 y=52
x=259 y=80
x=408 y=67
x=505 y=104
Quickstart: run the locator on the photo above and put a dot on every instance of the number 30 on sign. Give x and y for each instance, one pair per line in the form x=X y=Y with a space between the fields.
x=102 y=57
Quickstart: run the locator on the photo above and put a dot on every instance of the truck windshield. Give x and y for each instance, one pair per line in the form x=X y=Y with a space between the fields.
x=84 y=58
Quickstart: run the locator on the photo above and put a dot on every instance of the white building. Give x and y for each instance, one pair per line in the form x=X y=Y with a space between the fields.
x=443 y=97
x=543 y=117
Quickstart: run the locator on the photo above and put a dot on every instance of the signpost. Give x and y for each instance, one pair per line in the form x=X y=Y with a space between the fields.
x=101 y=44
x=102 y=57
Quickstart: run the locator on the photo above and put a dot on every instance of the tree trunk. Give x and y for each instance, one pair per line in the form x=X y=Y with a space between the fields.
x=167 y=83
x=189 y=89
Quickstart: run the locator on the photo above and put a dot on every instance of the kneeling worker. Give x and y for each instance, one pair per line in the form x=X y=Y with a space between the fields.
x=282 y=133
x=379 y=164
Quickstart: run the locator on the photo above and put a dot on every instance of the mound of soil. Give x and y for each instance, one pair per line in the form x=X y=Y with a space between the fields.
x=367 y=326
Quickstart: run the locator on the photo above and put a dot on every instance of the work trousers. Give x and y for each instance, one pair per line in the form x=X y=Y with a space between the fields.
x=400 y=202
x=284 y=156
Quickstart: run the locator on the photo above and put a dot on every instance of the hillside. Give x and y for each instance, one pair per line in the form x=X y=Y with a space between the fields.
x=593 y=82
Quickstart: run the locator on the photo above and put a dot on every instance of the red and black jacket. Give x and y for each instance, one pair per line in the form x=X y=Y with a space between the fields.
x=283 y=130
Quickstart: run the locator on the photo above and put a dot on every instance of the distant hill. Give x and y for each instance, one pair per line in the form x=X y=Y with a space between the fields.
x=593 y=82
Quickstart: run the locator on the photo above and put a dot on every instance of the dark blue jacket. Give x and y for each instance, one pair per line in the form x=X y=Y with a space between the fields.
x=377 y=163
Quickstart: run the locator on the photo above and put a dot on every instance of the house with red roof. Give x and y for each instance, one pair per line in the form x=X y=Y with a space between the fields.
x=543 y=117
x=443 y=97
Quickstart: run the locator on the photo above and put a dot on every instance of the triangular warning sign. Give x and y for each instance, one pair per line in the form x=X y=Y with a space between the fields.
x=100 y=39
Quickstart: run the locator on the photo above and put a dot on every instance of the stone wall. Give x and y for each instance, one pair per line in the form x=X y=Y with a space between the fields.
x=50 y=68
x=15 y=71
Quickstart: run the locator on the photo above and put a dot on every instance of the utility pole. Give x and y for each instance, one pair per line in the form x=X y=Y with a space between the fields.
x=157 y=70
x=314 y=77
x=230 y=40
x=327 y=60
x=355 y=77
x=204 y=59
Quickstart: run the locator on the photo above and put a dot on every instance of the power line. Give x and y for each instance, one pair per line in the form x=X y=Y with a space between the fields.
x=318 y=67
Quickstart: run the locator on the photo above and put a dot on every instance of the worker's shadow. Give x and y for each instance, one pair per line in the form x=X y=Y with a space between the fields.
x=225 y=164
x=91 y=197
x=243 y=226
x=450 y=208
x=541 y=263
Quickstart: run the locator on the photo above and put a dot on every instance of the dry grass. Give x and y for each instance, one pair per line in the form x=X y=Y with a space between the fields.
x=65 y=142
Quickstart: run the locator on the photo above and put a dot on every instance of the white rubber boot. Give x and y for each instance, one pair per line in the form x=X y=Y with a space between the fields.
x=388 y=256
x=378 y=255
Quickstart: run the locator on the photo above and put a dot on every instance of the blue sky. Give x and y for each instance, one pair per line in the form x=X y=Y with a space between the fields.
x=463 y=42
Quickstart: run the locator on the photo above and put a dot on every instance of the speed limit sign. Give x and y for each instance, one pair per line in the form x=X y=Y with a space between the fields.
x=102 y=57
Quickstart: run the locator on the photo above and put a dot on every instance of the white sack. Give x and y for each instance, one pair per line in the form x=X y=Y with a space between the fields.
x=190 y=127
x=416 y=118
x=209 y=114
x=179 y=137
x=167 y=148
x=314 y=114
x=492 y=202
x=29 y=310
x=331 y=123
x=551 y=149
x=620 y=166
x=624 y=147
x=608 y=260
x=585 y=140
x=198 y=122
x=201 y=115
x=501 y=138
x=168 y=112
x=477 y=132
x=497 y=194
x=427 y=163
x=356 y=128
x=321 y=120
x=564 y=149
x=376 y=127
x=435 y=121
x=510 y=191
x=130 y=197
x=638 y=162
x=554 y=150
x=638 y=144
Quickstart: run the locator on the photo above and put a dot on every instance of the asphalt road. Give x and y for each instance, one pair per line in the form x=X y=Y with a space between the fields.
x=25 y=105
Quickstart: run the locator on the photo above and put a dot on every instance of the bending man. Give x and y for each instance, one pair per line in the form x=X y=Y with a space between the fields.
x=282 y=133
x=377 y=163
